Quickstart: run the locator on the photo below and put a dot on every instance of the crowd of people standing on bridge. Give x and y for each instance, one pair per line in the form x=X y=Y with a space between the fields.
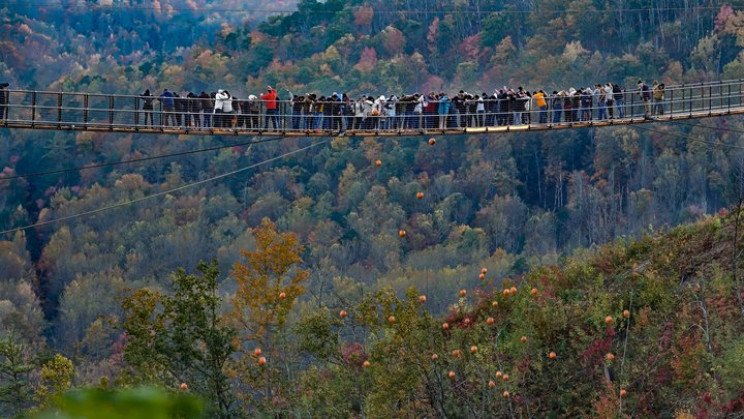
x=339 y=112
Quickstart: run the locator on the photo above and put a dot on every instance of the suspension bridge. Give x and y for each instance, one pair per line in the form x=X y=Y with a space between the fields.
x=76 y=111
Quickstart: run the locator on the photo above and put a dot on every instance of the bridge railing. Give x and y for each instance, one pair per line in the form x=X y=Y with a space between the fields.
x=74 y=110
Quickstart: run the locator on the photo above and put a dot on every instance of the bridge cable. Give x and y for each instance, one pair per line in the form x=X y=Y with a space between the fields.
x=689 y=138
x=708 y=126
x=265 y=140
x=138 y=160
x=162 y=193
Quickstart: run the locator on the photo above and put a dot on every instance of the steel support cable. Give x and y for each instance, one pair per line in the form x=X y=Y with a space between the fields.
x=162 y=193
x=139 y=160
x=689 y=138
x=708 y=126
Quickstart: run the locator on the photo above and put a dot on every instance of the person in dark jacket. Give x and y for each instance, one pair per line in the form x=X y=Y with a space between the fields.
x=618 y=94
x=193 y=107
x=166 y=101
x=586 y=105
x=491 y=109
x=206 y=106
x=502 y=99
x=147 y=100
x=241 y=107
x=297 y=104
x=327 y=112
x=4 y=99
x=308 y=110
x=180 y=107
x=459 y=103
x=336 y=113
x=348 y=111
x=556 y=104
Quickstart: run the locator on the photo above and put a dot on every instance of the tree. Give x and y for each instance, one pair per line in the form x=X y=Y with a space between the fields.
x=15 y=389
x=56 y=378
x=181 y=338
x=268 y=285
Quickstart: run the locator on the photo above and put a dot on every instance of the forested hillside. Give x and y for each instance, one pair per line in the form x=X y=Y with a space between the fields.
x=519 y=204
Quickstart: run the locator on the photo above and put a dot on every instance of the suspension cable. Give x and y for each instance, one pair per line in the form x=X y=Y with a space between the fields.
x=138 y=160
x=162 y=193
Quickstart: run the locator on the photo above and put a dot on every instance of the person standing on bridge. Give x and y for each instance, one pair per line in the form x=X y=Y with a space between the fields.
x=480 y=110
x=296 y=106
x=206 y=109
x=600 y=99
x=443 y=110
x=167 y=104
x=502 y=105
x=556 y=104
x=645 y=93
x=222 y=106
x=254 y=109
x=542 y=106
x=269 y=99
x=658 y=93
x=193 y=105
x=586 y=104
x=180 y=106
x=4 y=99
x=4 y=96
x=459 y=104
x=308 y=110
x=147 y=99
x=610 y=100
x=390 y=106
x=619 y=95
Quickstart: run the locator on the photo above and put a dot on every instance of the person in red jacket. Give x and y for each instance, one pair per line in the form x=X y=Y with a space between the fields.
x=269 y=99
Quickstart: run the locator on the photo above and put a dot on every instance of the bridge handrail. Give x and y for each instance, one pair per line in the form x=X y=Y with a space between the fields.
x=109 y=110
x=718 y=83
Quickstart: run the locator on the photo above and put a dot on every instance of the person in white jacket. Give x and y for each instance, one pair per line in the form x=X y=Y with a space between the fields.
x=418 y=111
x=379 y=106
x=369 y=106
x=390 y=112
x=609 y=100
x=222 y=106
x=358 y=113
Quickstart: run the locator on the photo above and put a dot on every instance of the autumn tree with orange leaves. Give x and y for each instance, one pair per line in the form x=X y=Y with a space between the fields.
x=269 y=283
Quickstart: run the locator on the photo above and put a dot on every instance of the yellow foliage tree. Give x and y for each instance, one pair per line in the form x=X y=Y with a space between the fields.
x=269 y=283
